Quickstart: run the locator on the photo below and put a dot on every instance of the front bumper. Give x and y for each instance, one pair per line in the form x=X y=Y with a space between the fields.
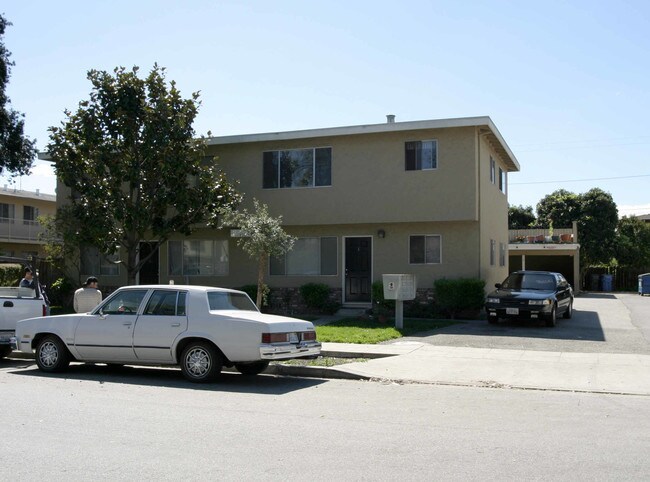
x=525 y=312
x=289 y=350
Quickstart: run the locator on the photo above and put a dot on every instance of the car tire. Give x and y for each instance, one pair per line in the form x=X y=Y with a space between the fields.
x=52 y=355
x=5 y=351
x=254 y=368
x=569 y=311
x=551 y=321
x=201 y=362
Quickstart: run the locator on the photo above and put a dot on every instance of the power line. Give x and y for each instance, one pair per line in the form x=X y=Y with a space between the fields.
x=579 y=180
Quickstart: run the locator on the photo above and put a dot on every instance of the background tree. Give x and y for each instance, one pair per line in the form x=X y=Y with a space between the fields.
x=559 y=209
x=17 y=152
x=597 y=227
x=261 y=236
x=633 y=242
x=520 y=217
x=135 y=168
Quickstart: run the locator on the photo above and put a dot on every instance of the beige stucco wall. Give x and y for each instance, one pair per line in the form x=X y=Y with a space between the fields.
x=369 y=181
x=493 y=216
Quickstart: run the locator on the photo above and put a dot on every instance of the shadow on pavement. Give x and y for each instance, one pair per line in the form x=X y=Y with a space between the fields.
x=583 y=326
x=166 y=377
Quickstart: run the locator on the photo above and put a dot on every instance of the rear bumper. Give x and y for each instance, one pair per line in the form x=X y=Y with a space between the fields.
x=7 y=338
x=287 y=351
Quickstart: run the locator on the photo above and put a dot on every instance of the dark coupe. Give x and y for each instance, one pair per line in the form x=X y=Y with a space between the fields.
x=531 y=295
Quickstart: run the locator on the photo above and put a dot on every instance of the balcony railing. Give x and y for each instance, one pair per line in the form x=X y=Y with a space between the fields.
x=19 y=229
x=542 y=236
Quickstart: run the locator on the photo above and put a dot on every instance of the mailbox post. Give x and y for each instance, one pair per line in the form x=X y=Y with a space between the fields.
x=399 y=287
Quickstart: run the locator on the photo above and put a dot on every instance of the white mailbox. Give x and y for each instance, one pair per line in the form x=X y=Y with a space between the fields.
x=399 y=286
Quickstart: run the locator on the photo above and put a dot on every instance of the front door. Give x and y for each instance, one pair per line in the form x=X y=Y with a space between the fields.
x=358 y=263
x=150 y=270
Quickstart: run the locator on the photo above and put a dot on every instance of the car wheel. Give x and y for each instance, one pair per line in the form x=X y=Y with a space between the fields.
x=200 y=362
x=569 y=311
x=552 y=318
x=254 y=368
x=5 y=351
x=52 y=355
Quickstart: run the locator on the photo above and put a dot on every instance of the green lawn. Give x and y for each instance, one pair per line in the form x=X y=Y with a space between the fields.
x=353 y=330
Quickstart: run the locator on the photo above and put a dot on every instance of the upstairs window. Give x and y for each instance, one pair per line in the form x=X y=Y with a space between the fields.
x=30 y=213
x=493 y=171
x=297 y=168
x=7 y=213
x=502 y=180
x=421 y=155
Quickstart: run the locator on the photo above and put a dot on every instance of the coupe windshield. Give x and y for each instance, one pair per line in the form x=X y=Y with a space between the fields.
x=520 y=281
x=224 y=300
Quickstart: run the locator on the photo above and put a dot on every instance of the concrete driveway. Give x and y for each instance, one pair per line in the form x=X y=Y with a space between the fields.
x=601 y=323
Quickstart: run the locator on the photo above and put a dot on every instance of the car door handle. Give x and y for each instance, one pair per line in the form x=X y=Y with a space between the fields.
x=176 y=324
x=127 y=323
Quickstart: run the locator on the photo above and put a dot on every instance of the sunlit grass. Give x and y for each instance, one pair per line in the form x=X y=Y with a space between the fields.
x=354 y=330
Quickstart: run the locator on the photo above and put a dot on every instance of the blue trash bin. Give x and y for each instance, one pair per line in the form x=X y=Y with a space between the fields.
x=607 y=282
x=644 y=284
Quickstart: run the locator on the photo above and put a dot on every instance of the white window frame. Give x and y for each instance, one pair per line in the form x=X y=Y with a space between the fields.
x=320 y=240
x=425 y=249
x=435 y=142
x=493 y=252
x=214 y=257
x=313 y=180
x=493 y=170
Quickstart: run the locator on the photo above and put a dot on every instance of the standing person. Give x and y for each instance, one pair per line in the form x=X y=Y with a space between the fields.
x=87 y=297
x=28 y=280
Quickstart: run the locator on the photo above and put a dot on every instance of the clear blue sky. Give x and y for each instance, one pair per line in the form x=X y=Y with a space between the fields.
x=566 y=82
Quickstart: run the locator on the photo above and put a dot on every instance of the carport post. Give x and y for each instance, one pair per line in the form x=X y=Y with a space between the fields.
x=523 y=262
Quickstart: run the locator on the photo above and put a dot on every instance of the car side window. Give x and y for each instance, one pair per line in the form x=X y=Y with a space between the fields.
x=124 y=303
x=162 y=303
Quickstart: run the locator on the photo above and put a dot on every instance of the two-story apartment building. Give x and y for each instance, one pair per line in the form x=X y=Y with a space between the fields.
x=19 y=227
x=427 y=198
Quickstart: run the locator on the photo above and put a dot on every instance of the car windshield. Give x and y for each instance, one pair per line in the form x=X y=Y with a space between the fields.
x=225 y=300
x=529 y=281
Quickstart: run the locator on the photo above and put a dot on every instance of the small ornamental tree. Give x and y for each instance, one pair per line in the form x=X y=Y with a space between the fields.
x=261 y=236
x=134 y=166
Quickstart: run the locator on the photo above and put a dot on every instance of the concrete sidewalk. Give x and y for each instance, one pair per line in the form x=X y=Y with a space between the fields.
x=416 y=362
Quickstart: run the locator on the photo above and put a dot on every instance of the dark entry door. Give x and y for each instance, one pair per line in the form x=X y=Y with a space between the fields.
x=149 y=273
x=358 y=262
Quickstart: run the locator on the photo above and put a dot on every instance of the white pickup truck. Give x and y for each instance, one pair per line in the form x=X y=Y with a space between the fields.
x=17 y=304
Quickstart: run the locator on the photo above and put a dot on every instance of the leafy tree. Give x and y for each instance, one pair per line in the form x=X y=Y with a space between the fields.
x=633 y=242
x=559 y=209
x=16 y=150
x=261 y=236
x=520 y=217
x=597 y=227
x=134 y=166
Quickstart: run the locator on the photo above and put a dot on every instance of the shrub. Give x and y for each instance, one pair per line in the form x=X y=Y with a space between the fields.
x=316 y=295
x=60 y=292
x=381 y=305
x=10 y=274
x=457 y=295
x=251 y=291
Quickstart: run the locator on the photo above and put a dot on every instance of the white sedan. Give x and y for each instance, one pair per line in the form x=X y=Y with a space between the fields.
x=200 y=328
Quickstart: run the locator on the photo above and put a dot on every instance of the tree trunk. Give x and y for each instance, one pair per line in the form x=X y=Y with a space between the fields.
x=131 y=267
x=260 y=279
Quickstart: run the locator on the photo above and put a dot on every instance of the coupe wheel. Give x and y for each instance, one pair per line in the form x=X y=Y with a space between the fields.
x=52 y=355
x=569 y=311
x=254 y=368
x=200 y=362
x=552 y=318
x=5 y=351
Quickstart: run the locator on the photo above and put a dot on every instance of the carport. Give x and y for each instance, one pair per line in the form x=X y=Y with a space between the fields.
x=561 y=258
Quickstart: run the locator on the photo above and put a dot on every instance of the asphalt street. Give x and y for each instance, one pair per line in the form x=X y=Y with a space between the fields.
x=150 y=424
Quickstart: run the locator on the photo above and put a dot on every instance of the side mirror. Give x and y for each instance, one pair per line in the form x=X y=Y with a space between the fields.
x=497 y=285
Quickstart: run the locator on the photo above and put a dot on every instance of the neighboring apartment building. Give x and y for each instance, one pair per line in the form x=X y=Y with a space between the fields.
x=19 y=228
x=427 y=198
